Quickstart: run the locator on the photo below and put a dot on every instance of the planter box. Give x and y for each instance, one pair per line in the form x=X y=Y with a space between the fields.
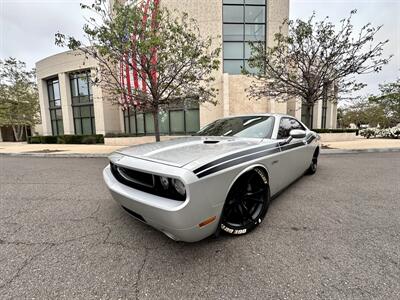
x=131 y=141
x=337 y=137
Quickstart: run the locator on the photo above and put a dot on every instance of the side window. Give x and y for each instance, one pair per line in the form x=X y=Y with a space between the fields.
x=286 y=125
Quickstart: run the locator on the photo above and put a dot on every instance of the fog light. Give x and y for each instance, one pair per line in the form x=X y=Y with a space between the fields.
x=164 y=182
x=179 y=186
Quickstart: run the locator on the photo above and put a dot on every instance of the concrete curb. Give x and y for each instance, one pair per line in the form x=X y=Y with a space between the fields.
x=103 y=155
x=53 y=155
x=356 y=151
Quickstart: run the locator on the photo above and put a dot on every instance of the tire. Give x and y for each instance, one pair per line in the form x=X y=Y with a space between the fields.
x=313 y=166
x=246 y=204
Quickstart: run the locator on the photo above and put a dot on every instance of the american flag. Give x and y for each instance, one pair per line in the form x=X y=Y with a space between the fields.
x=133 y=79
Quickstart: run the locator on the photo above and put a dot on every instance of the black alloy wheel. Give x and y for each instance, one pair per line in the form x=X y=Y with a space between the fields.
x=246 y=204
x=313 y=166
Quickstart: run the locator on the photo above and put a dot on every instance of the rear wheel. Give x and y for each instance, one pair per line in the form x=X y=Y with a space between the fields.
x=246 y=204
x=314 y=163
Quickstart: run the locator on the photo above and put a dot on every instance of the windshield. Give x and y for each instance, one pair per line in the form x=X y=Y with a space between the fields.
x=248 y=127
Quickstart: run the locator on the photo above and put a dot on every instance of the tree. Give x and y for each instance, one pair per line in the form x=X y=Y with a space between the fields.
x=315 y=61
x=365 y=112
x=389 y=100
x=149 y=58
x=19 y=100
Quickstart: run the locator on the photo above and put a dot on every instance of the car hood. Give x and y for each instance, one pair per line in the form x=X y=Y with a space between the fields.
x=182 y=151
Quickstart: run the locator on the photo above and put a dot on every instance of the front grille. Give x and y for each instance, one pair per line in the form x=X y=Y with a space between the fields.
x=143 y=181
x=137 y=177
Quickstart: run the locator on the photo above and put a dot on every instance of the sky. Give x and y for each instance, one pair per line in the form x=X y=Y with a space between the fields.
x=27 y=27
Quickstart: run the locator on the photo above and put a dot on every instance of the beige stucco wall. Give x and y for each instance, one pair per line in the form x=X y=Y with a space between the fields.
x=232 y=97
x=107 y=116
x=208 y=14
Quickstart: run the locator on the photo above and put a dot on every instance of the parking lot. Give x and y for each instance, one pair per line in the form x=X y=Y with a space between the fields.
x=332 y=235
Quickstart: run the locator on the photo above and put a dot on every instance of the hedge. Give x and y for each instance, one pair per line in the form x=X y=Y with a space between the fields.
x=337 y=130
x=115 y=135
x=67 y=139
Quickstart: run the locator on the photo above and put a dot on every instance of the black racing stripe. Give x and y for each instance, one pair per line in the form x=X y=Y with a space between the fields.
x=310 y=139
x=232 y=156
x=291 y=146
x=237 y=161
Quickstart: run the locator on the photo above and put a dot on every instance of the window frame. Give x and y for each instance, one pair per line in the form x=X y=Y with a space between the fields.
x=134 y=112
x=244 y=40
x=53 y=108
x=292 y=119
x=78 y=105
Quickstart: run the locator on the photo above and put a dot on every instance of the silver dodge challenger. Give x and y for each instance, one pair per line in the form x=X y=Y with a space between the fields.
x=220 y=179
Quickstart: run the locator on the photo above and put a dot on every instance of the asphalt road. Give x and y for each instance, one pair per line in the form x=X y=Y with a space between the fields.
x=332 y=235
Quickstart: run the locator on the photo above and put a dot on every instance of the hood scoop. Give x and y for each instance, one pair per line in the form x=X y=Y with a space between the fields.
x=210 y=142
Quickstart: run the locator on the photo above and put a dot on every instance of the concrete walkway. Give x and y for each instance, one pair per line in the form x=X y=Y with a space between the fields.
x=19 y=148
x=104 y=150
x=363 y=143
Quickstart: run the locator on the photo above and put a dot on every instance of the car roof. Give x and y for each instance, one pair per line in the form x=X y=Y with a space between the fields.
x=259 y=114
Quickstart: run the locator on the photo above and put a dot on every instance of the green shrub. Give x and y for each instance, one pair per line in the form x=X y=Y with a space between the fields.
x=88 y=140
x=67 y=139
x=115 y=135
x=34 y=140
x=337 y=130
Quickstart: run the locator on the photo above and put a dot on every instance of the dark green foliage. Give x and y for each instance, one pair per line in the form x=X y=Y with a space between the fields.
x=339 y=130
x=67 y=139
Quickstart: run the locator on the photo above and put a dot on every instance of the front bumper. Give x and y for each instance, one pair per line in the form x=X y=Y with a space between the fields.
x=178 y=220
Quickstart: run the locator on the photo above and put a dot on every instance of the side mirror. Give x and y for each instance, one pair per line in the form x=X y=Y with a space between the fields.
x=297 y=134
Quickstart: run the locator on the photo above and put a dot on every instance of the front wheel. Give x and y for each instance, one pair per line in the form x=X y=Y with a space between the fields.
x=246 y=204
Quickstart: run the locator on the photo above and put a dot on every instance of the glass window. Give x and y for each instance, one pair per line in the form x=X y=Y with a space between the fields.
x=83 y=85
x=255 y=14
x=255 y=32
x=233 y=1
x=82 y=103
x=50 y=90
x=233 y=32
x=53 y=89
x=247 y=127
x=242 y=22
x=149 y=123
x=286 y=125
x=140 y=123
x=74 y=88
x=233 y=50
x=233 y=14
x=259 y=2
x=233 y=66
x=177 y=121
x=56 y=89
x=182 y=119
x=192 y=119
x=86 y=126
x=163 y=120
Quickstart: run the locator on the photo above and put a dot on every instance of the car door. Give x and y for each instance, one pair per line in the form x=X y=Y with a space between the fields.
x=293 y=155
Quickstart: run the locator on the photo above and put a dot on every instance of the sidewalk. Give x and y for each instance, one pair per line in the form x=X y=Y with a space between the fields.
x=362 y=143
x=61 y=150
x=56 y=149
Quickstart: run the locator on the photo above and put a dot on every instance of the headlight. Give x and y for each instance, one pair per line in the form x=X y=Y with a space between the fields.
x=179 y=186
x=164 y=182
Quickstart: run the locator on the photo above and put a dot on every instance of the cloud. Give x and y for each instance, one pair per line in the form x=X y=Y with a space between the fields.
x=27 y=27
